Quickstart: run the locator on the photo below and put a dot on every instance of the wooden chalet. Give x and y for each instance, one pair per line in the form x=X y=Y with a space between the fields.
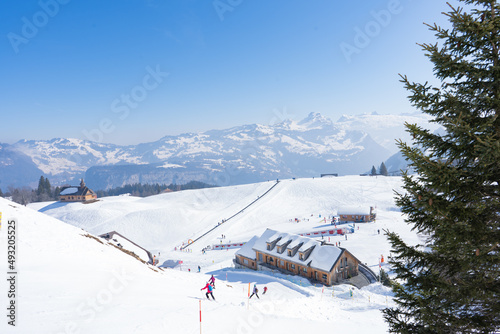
x=298 y=255
x=77 y=194
x=356 y=214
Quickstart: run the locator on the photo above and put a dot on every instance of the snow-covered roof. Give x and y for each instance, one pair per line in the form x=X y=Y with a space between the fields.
x=82 y=190
x=353 y=210
x=69 y=191
x=322 y=257
x=247 y=249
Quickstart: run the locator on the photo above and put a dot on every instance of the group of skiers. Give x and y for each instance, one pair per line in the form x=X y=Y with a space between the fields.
x=210 y=286
x=256 y=291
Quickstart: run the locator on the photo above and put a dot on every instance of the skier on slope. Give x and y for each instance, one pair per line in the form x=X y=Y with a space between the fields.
x=211 y=281
x=210 y=289
x=255 y=290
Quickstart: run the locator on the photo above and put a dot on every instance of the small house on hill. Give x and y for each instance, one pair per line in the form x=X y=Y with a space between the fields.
x=77 y=194
x=356 y=214
x=297 y=255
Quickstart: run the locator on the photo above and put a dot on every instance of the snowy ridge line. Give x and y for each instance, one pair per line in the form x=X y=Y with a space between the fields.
x=237 y=213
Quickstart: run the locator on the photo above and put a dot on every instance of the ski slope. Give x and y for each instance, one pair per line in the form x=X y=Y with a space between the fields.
x=69 y=283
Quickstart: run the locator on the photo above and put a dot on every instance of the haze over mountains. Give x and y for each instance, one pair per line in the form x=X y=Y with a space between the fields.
x=242 y=154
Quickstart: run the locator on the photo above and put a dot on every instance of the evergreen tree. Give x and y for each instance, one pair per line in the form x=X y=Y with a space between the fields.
x=451 y=283
x=57 y=192
x=47 y=187
x=41 y=186
x=374 y=171
x=383 y=170
x=1 y=193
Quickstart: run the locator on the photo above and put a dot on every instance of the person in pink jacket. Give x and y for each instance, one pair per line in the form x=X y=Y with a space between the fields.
x=211 y=280
x=210 y=289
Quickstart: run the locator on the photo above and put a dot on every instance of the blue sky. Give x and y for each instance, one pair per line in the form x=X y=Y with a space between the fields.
x=132 y=71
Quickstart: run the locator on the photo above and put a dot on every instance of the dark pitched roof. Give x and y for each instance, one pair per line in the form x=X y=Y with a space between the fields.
x=82 y=190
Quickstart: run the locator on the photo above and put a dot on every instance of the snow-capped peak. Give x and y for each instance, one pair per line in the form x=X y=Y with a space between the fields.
x=315 y=121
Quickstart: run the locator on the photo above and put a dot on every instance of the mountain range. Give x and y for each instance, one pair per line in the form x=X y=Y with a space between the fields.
x=242 y=154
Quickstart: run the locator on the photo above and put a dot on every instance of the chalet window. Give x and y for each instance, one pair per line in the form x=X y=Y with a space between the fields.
x=289 y=253
x=245 y=261
x=324 y=277
x=301 y=256
x=260 y=257
x=305 y=270
x=271 y=259
x=282 y=263
x=268 y=247
x=293 y=266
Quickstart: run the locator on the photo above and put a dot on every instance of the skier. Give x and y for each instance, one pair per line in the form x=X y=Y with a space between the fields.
x=199 y=268
x=212 y=281
x=265 y=290
x=255 y=290
x=210 y=289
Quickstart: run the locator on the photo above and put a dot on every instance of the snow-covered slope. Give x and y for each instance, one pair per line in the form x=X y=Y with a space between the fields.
x=242 y=154
x=69 y=283
x=163 y=222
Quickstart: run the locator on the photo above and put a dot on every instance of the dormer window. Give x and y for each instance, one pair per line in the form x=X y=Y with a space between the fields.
x=301 y=256
x=268 y=246
x=289 y=252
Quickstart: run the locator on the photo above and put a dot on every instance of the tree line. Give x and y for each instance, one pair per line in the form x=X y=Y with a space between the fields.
x=25 y=195
x=144 y=190
x=46 y=192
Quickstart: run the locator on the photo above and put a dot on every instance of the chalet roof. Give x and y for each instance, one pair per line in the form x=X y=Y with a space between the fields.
x=247 y=249
x=82 y=190
x=322 y=257
x=69 y=191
